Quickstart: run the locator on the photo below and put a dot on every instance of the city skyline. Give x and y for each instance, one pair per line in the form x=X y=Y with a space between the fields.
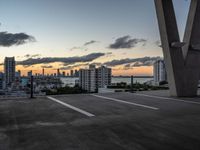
x=104 y=30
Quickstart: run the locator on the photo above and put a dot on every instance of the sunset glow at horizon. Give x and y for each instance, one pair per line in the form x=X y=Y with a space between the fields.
x=72 y=34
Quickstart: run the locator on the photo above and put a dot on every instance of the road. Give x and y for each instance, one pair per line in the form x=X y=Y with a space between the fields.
x=114 y=121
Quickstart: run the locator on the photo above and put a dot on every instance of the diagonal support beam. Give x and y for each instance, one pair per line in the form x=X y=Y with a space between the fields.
x=192 y=32
x=181 y=63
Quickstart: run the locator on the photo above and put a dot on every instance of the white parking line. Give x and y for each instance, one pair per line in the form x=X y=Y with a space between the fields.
x=122 y=101
x=168 y=98
x=71 y=107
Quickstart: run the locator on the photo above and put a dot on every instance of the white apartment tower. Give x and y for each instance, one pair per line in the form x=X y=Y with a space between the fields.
x=103 y=76
x=87 y=79
x=9 y=70
x=93 y=78
x=1 y=81
x=159 y=71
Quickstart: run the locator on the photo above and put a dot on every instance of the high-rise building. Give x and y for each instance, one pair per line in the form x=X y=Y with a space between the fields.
x=93 y=78
x=9 y=70
x=87 y=79
x=71 y=73
x=76 y=73
x=30 y=73
x=43 y=72
x=1 y=81
x=63 y=74
x=91 y=66
x=58 y=72
x=18 y=76
x=103 y=76
x=19 y=73
x=159 y=71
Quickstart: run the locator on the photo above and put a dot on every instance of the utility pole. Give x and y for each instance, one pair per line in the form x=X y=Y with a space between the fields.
x=132 y=84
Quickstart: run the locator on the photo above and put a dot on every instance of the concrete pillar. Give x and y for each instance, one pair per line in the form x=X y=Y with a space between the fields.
x=182 y=59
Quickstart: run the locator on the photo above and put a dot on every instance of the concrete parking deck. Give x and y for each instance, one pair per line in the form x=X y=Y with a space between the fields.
x=119 y=121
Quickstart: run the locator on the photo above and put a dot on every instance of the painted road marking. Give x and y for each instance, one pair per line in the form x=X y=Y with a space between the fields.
x=168 y=98
x=122 y=101
x=71 y=107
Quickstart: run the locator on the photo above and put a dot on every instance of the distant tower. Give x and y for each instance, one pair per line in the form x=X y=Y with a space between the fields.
x=30 y=73
x=63 y=74
x=159 y=71
x=76 y=74
x=1 y=81
x=58 y=72
x=43 y=72
x=18 y=76
x=9 y=70
x=72 y=73
x=19 y=72
x=91 y=66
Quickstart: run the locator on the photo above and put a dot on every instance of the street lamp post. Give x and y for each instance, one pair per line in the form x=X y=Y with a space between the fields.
x=132 y=84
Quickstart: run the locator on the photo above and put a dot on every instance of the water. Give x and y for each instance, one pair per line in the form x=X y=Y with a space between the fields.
x=70 y=81
x=128 y=80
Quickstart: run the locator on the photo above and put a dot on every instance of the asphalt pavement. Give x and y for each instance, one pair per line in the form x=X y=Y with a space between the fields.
x=112 y=121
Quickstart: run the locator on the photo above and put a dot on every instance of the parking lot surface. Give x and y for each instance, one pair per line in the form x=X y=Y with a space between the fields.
x=113 y=121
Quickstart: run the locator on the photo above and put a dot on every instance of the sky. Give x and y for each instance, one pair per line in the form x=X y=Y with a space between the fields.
x=71 y=34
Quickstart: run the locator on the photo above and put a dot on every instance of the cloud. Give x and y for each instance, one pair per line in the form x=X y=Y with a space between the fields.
x=136 y=62
x=90 y=42
x=69 y=67
x=66 y=60
x=78 y=48
x=75 y=48
x=79 y=65
x=84 y=46
x=10 y=39
x=127 y=67
x=96 y=63
x=32 y=56
x=145 y=63
x=126 y=42
x=109 y=54
x=47 y=66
